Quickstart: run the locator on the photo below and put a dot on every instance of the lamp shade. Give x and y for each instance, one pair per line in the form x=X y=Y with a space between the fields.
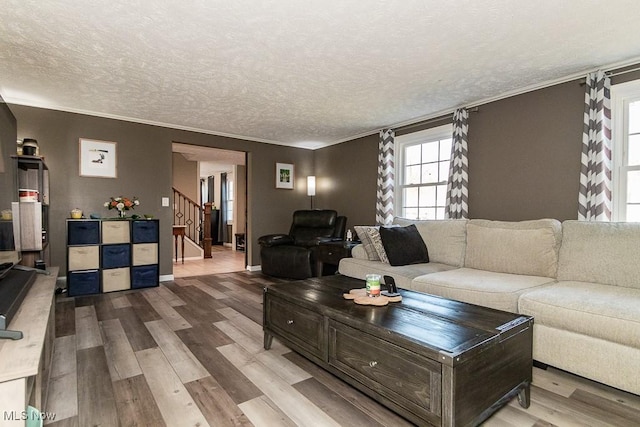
x=311 y=185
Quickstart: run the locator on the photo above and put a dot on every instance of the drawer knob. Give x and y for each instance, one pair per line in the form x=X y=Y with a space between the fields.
x=330 y=253
x=373 y=364
x=289 y=322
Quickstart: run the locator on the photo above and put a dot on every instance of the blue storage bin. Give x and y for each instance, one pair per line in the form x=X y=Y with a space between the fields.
x=80 y=232
x=116 y=256
x=144 y=276
x=145 y=231
x=83 y=282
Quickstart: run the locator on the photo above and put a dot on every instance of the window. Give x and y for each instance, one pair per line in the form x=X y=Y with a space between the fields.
x=230 y=197
x=423 y=170
x=626 y=151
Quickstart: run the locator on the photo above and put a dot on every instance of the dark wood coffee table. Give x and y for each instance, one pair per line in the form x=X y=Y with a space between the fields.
x=430 y=359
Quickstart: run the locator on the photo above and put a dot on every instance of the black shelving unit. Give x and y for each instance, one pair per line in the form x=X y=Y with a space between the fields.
x=31 y=172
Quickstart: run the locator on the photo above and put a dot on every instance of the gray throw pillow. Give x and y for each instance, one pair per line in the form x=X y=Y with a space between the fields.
x=367 y=235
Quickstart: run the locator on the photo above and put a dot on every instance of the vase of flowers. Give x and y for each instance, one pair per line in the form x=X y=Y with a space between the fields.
x=122 y=204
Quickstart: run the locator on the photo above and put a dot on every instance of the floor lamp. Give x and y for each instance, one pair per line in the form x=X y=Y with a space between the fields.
x=311 y=188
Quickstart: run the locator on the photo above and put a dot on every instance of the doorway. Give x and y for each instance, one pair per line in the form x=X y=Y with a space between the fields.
x=216 y=178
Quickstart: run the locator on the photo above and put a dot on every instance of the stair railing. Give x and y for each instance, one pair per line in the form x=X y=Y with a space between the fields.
x=190 y=214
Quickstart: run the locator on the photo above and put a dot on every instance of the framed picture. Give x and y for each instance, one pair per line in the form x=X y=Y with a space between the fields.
x=284 y=176
x=98 y=158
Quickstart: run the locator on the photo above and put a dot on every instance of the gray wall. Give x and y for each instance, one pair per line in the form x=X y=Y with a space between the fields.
x=346 y=179
x=524 y=155
x=185 y=177
x=144 y=170
x=240 y=208
x=524 y=159
x=8 y=132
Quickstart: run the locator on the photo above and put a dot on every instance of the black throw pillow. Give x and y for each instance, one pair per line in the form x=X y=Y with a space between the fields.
x=403 y=245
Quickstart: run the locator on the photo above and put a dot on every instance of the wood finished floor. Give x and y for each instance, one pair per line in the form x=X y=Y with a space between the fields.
x=223 y=260
x=189 y=353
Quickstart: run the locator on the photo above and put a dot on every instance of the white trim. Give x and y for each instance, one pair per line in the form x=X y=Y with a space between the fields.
x=254 y=268
x=189 y=258
x=520 y=91
x=27 y=103
x=505 y=95
x=317 y=145
x=167 y=278
x=621 y=94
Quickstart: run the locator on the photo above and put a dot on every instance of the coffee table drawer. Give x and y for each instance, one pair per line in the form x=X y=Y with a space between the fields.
x=409 y=380
x=302 y=327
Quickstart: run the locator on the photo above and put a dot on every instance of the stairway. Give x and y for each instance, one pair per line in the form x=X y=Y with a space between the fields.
x=196 y=219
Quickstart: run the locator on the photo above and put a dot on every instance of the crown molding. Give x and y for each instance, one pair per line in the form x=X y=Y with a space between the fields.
x=317 y=145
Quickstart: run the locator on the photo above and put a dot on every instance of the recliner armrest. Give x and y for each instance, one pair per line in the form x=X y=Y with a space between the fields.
x=275 y=240
x=315 y=241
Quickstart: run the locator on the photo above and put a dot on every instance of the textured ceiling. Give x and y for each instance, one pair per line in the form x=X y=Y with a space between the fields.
x=297 y=72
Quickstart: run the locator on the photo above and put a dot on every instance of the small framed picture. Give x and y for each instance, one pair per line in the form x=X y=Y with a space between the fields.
x=284 y=176
x=98 y=158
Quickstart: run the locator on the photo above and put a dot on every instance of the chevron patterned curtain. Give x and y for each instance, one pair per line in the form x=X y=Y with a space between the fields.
x=386 y=178
x=594 y=199
x=458 y=184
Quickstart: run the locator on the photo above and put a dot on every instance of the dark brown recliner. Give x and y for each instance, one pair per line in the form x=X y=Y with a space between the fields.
x=293 y=255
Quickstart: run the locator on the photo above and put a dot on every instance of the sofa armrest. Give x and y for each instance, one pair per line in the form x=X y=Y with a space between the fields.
x=275 y=240
x=358 y=252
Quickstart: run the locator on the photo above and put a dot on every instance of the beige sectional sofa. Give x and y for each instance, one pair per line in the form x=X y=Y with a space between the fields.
x=580 y=281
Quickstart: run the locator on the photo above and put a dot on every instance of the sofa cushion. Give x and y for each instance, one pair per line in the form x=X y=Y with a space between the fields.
x=611 y=313
x=600 y=252
x=359 y=268
x=445 y=239
x=404 y=245
x=524 y=247
x=490 y=289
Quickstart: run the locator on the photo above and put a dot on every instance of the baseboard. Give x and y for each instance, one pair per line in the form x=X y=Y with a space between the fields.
x=187 y=259
x=166 y=278
x=254 y=267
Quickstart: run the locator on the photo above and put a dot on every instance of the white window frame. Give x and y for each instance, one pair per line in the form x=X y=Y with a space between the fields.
x=621 y=95
x=230 y=197
x=420 y=137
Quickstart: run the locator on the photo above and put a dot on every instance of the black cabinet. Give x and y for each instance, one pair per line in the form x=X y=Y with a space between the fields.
x=111 y=255
x=31 y=208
